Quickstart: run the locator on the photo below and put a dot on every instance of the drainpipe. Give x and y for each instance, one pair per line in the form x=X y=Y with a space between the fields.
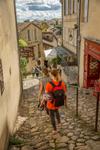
x=62 y=20
x=62 y=4
x=78 y=53
x=78 y=36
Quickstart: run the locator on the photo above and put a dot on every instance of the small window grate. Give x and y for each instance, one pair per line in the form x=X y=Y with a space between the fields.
x=1 y=78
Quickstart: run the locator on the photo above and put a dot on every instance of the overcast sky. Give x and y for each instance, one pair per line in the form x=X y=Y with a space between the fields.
x=44 y=9
x=45 y=1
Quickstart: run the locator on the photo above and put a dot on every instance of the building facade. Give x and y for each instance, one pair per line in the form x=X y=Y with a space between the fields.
x=69 y=23
x=9 y=72
x=32 y=34
x=84 y=17
x=49 y=40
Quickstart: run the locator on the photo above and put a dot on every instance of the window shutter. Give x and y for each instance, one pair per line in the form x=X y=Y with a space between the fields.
x=75 y=6
x=71 y=6
x=35 y=34
x=29 y=38
x=86 y=6
x=65 y=7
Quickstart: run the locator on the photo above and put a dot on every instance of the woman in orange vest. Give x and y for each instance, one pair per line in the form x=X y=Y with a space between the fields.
x=54 y=110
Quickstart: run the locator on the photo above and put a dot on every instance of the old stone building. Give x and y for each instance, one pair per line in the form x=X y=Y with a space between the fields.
x=49 y=40
x=32 y=34
x=9 y=72
x=81 y=24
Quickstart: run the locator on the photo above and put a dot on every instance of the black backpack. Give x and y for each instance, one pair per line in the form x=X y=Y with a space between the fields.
x=58 y=94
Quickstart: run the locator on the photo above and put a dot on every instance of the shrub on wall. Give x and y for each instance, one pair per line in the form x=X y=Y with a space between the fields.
x=23 y=64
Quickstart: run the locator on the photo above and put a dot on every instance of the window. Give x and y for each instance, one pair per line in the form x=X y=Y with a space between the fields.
x=85 y=8
x=29 y=37
x=71 y=6
x=35 y=34
x=75 y=6
x=1 y=78
x=66 y=7
x=39 y=51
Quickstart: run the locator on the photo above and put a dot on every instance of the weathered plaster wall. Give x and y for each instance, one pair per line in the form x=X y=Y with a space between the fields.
x=87 y=29
x=9 y=100
x=90 y=29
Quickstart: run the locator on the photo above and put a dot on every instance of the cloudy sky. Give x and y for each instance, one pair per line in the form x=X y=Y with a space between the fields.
x=38 y=9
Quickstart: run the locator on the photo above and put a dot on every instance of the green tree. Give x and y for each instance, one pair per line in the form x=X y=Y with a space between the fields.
x=56 y=60
x=23 y=64
x=44 y=26
x=22 y=43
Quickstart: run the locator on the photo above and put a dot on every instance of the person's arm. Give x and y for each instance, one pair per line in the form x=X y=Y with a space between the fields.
x=65 y=101
x=65 y=90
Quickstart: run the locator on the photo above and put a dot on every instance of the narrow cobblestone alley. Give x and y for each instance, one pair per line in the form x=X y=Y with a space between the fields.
x=75 y=133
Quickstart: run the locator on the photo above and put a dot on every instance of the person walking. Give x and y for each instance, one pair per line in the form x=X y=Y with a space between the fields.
x=42 y=84
x=58 y=89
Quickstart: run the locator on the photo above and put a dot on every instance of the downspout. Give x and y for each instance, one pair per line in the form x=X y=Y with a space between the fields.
x=78 y=36
x=62 y=3
x=62 y=21
x=78 y=54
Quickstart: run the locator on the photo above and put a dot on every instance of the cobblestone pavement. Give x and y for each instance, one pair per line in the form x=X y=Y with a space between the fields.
x=74 y=134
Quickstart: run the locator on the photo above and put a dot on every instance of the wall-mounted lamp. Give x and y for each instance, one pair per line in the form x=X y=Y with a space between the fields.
x=75 y=26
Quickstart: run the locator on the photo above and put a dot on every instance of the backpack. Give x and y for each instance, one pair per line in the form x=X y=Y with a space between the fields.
x=58 y=94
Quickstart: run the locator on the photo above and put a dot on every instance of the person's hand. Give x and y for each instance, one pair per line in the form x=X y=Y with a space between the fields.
x=38 y=105
x=42 y=103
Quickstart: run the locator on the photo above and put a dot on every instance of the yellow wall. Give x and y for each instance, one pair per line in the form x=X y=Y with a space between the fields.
x=90 y=29
x=87 y=29
x=30 y=65
x=68 y=24
x=9 y=55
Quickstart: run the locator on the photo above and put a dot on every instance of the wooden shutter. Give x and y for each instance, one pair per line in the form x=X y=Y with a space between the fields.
x=35 y=34
x=75 y=6
x=71 y=6
x=66 y=7
x=86 y=8
x=29 y=36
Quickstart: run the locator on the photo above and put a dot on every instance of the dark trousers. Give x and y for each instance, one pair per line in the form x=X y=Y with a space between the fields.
x=46 y=109
x=54 y=114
